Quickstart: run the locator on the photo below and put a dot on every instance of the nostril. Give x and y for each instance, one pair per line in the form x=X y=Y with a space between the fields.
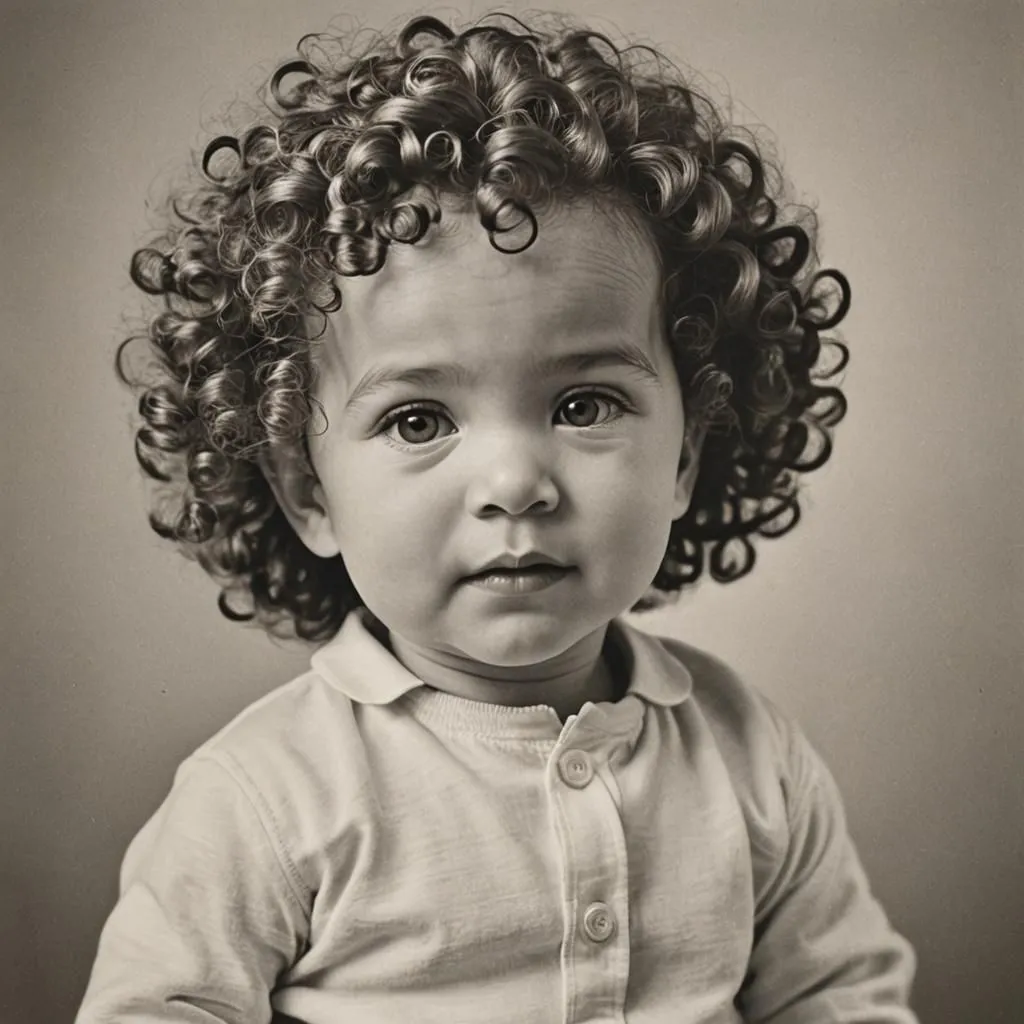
x=538 y=507
x=504 y=491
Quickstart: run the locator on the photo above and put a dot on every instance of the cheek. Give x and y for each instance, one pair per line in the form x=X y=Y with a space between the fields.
x=647 y=489
x=386 y=529
x=631 y=507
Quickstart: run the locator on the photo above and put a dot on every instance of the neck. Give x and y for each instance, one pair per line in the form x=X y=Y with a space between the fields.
x=565 y=682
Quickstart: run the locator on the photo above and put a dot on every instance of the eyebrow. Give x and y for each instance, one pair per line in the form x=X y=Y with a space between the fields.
x=625 y=354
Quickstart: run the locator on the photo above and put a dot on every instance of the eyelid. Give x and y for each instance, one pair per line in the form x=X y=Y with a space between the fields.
x=399 y=410
x=595 y=389
x=392 y=416
x=602 y=391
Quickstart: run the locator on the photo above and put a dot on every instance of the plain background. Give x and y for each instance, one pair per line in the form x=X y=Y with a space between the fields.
x=889 y=623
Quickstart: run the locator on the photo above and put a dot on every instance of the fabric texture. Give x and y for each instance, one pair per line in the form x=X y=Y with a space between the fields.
x=357 y=846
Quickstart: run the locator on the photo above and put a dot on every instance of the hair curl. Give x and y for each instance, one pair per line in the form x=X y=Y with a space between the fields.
x=354 y=158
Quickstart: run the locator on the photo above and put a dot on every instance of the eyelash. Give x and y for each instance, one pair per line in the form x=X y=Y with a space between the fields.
x=619 y=402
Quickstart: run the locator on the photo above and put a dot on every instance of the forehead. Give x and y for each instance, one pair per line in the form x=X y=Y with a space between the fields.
x=589 y=272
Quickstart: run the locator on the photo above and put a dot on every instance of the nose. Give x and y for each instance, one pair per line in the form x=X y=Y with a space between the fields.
x=512 y=477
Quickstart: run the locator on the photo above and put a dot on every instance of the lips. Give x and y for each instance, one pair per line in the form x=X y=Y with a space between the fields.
x=523 y=574
x=514 y=582
x=506 y=563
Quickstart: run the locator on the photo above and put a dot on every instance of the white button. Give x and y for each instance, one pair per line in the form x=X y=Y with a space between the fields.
x=575 y=768
x=599 y=922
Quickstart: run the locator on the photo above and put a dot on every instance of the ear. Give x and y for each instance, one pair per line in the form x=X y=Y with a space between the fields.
x=301 y=497
x=689 y=466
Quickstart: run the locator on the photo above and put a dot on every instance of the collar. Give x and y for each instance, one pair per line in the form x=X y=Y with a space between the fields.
x=357 y=662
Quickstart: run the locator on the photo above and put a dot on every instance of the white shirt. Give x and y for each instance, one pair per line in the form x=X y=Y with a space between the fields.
x=357 y=846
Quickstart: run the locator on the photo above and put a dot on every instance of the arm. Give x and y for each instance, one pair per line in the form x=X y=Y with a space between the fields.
x=211 y=911
x=824 y=952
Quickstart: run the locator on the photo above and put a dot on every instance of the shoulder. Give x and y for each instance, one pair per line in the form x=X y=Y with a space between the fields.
x=288 y=723
x=292 y=758
x=744 y=721
x=771 y=765
x=296 y=731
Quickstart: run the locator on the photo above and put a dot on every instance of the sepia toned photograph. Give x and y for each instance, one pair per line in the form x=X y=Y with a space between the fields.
x=510 y=512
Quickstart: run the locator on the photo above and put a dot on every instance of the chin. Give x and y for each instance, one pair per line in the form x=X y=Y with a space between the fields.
x=516 y=642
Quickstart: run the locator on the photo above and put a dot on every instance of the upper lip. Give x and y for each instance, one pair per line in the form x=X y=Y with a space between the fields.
x=525 y=561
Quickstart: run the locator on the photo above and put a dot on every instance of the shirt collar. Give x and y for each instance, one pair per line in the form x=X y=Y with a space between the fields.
x=358 y=663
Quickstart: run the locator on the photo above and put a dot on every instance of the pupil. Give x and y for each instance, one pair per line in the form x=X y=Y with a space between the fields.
x=416 y=425
x=580 y=409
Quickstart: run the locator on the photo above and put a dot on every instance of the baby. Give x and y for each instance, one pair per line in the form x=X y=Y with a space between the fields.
x=479 y=342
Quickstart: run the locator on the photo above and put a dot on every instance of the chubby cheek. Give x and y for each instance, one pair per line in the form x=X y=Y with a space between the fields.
x=390 y=538
x=636 y=539
x=630 y=515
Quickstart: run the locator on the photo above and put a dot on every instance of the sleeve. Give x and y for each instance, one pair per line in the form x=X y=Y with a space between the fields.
x=824 y=951
x=211 y=911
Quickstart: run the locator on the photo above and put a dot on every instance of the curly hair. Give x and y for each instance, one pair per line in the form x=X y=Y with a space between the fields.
x=354 y=157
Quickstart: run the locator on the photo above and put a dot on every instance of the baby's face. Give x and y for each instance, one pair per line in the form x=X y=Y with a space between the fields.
x=485 y=406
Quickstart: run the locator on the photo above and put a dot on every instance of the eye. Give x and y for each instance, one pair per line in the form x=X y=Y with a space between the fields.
x=415 y=425
x=591 y=409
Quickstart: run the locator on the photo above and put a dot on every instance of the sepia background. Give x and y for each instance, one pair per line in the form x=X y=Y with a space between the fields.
x=889 y=623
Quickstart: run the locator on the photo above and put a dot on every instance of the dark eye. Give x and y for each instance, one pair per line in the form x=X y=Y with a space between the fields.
x=590 y=410
x=414 y=426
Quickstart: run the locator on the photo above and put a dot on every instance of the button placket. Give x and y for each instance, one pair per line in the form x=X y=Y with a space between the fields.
x=597 y=913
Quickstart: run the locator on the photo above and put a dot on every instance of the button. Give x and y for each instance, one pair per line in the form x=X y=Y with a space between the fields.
x=599 y=922
x=575 y=768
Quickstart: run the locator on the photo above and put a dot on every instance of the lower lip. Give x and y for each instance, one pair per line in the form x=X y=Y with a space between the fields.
x=520 y=581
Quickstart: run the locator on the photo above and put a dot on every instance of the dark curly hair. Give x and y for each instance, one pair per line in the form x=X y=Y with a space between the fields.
x=355 y=156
